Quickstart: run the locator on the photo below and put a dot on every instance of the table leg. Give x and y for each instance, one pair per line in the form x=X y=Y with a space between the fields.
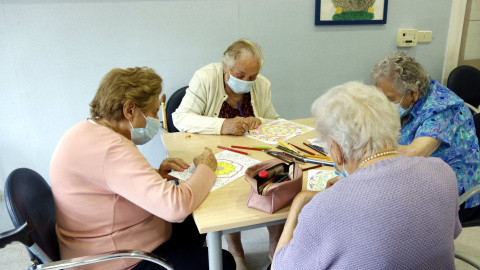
x=214 y=243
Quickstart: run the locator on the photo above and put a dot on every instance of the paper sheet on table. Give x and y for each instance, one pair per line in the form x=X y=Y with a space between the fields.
x=230 y=166
x=278 y=130
x=317 y=179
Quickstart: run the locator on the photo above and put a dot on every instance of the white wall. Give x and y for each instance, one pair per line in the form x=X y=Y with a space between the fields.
x=54 y=53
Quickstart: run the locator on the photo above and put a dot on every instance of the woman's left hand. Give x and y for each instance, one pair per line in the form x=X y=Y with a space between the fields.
x=252 y=122
x=169 y=164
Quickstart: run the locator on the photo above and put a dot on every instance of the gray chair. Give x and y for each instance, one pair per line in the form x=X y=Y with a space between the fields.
x=172 y=104
x=31 y=208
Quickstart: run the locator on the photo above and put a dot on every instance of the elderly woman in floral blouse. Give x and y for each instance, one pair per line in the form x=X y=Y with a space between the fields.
x=435 y=121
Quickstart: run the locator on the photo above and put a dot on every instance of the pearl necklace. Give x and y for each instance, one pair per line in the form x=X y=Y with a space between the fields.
x=377 y=155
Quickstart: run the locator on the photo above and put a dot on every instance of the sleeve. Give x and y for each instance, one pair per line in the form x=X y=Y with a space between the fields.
x=128 y=173
x=190 y=115
x=264 y=107
x=297 y=253
x=439 y=126
x=458 y=226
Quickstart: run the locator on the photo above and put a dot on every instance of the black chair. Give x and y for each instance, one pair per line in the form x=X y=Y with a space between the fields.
x=465 y=82
x=172 y=104
x=31 y=208
x=471 y=222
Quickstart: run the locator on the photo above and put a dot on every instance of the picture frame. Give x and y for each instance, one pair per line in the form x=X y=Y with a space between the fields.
x=344 y=12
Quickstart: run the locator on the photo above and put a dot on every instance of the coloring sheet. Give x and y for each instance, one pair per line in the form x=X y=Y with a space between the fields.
x=277 y=130
x=317 y=179
x=230 y=166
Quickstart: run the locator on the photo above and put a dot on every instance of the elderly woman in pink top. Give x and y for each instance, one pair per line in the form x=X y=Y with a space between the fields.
x=108 y=197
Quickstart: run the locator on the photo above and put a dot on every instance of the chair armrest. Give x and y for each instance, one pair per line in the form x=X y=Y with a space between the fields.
x=20 y=234
x=475 y=262
x=101 y=257
x=475 y=110
x=469 y=193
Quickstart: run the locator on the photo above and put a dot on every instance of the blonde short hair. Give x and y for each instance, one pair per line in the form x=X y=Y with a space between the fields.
x=403 y=71
x=140 y=85
x=240 y=48
x=359 y=118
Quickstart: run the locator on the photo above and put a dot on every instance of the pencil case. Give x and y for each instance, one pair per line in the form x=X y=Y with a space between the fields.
x=271 y=196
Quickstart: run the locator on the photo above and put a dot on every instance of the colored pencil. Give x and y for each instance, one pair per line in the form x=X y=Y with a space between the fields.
x=240 y=109
x=312 y=167
x=289 y=151
x=278 y=157
x=293 y=147
x=261 y=147
x=321 y=157
x=311 y=146
x=307 y=160
x=293 y=157
x=248 y=148
x=303 y=149
x=285 y=145
x=233 y=150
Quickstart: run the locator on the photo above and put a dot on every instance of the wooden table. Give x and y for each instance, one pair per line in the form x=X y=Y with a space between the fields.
x=225 y=210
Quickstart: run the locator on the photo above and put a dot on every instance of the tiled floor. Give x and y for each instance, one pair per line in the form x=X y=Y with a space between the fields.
x=15 y=257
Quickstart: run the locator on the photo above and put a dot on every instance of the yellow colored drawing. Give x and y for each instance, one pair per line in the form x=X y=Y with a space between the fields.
x=224 y=168
x=278 y=130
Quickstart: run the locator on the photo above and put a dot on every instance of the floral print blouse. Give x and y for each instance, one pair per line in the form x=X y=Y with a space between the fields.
x=442 y=115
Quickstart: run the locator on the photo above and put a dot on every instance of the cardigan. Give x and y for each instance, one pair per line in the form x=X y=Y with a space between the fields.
x=108 y=197
x=399 y=213
x=199 y=109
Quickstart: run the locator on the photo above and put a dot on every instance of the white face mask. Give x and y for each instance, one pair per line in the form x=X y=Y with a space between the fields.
x=239 y=86
x=141 y=136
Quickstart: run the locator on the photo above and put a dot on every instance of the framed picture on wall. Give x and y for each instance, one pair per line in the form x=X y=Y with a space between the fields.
x=334 y=12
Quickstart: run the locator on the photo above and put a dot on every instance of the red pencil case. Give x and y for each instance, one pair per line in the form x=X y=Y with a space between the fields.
x=273 y=196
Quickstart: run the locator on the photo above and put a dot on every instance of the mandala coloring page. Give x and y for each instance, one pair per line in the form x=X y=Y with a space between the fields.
x=317 y=179
x=277 y=130
x=230 y=166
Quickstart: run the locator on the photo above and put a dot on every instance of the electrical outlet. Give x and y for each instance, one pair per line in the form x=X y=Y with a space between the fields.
x=407 y=37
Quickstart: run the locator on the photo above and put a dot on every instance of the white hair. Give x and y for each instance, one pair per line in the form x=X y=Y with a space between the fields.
x=240 y=48
x=359 y=118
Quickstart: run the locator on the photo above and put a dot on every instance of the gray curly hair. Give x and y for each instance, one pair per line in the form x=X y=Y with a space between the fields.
x=403 y=71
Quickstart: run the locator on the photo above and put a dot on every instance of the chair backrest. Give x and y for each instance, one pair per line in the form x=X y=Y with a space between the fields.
x=465 y=82
x=29 y=198
x=476 y=123
x=172 y=104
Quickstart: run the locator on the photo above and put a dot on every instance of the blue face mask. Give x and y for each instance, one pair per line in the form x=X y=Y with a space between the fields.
x=401 y=111
x=343 y=174
x=239 y=86
x=141 y=136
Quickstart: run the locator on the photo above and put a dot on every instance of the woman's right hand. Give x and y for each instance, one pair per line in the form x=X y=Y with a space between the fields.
x=332 y=181
x=207 y=158
x=234 y=126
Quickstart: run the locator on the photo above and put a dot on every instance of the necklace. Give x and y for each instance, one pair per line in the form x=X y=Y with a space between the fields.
x=377 y=155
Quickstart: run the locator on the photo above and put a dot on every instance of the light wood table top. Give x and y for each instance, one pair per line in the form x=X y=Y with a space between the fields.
x=226 y=207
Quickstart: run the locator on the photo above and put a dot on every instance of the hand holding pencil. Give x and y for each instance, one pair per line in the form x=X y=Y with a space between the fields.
x=239 y=125
x=234 y=126
x=252 y=122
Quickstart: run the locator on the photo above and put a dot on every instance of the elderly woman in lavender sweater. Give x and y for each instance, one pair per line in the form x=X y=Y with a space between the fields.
x=389 y=212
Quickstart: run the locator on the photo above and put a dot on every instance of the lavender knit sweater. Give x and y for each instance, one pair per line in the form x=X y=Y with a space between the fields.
x=399 y=213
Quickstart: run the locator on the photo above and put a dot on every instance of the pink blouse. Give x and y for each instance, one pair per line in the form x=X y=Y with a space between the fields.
x=108 y=197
